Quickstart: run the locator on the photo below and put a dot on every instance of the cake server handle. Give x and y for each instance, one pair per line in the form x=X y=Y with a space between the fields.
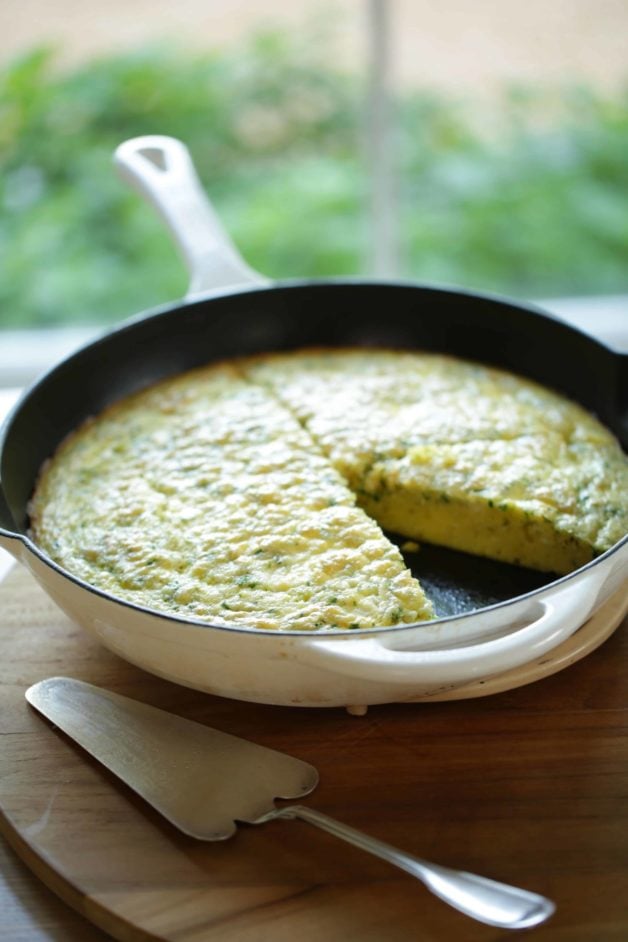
x=490 y=902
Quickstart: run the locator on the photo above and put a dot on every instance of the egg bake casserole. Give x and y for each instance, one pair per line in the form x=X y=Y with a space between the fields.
x=254 y=492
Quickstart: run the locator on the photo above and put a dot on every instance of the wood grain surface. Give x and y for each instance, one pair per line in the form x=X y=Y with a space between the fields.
x=528 y=786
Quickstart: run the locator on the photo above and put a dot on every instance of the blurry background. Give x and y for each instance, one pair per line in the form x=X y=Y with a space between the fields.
x=482 y=144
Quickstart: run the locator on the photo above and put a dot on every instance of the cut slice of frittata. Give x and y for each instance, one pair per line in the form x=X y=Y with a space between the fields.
x=460 y=454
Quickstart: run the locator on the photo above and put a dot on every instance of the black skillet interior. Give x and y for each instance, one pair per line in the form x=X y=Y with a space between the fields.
x=288 y=316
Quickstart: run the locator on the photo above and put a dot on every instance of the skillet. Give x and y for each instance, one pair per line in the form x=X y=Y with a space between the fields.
x=232 y=311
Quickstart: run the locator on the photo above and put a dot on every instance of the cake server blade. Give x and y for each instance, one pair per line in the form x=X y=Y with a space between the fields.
x=200 y=779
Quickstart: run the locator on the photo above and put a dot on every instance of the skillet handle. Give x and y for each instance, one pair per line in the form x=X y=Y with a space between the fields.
x=546 y=623
x=162 y=170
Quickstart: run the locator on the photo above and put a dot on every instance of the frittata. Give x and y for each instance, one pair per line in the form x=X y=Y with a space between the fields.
x=252 y=493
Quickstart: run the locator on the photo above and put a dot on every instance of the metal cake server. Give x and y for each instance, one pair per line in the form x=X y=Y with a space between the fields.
x=204 y=781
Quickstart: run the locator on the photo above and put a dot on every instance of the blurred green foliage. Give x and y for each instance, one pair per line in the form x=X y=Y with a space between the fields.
x=535 y=205
x=538 y=207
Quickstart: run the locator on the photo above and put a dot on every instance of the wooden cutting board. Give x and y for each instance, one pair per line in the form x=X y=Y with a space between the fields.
x=527 y=786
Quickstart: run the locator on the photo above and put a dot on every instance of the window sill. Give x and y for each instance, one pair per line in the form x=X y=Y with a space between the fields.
x=605 y=318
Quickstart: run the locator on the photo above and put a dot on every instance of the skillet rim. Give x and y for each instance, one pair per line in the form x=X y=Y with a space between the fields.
x=170 y=308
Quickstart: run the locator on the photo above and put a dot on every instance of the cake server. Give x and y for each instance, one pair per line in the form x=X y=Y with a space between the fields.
x=205 y=782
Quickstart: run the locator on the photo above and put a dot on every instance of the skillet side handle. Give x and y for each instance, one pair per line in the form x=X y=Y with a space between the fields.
x=162 y=170
x=550 y=621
